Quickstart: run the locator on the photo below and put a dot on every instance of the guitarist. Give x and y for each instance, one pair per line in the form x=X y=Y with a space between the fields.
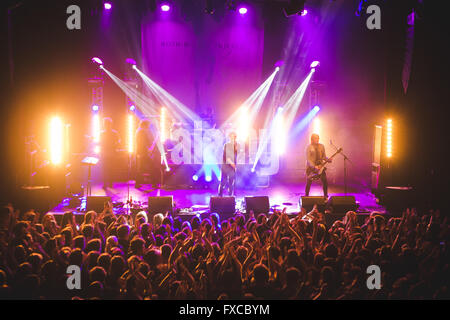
x=315 y=156
x=148 y=157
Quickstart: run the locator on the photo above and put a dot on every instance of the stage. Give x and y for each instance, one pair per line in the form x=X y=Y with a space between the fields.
x=189 y=201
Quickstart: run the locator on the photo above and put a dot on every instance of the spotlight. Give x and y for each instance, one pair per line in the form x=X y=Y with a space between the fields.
x=107 y=5
x=316 y=108
x=253 y=170
x=279 y=63
x=304 y=13
x=243 y=10
x=131 y=61
x=97 y=60
x=94 y=108
x=315 y=64
x=134 y=67
x=165 y=7
x=195 y=177
x=277 y=69
x=167 y=169
x=132 y=108
x=208 y=178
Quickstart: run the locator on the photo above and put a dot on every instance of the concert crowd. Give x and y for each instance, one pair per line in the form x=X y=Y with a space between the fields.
x=259 y=256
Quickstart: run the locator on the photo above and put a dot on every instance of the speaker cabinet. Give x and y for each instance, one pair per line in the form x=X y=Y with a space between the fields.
x=222 y=205
x=160 y=205
x=343 y=204
x=39 y=198
x=257 y=204
x=309 y=202
x=96 y=203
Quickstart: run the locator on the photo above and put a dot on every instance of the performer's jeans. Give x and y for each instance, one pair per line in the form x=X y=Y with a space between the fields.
x=227 y=180
x=323 y=178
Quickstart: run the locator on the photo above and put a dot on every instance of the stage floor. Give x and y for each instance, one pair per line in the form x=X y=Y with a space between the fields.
x=280 y=196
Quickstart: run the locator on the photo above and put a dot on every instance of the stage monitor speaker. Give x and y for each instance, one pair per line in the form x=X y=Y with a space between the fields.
x=258 y=204
x=96 y=203
x=342 y=204
x=309 y=202
x=222 y=205
x=160 y=205
x=397 y=199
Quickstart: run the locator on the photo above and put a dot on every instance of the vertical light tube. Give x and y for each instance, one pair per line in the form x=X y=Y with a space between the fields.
x=389 y=138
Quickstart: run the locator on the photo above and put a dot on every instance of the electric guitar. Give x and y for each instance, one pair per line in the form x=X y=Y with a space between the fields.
x=314 y=173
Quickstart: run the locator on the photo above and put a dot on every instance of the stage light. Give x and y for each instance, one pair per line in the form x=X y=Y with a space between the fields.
x=56 y=140
x=107 y=5
x=243 y=10
x=315 y=64
x=389 y=138
x=167 y=169
x=316 y=108
x=304 y=13
x=130 y=133
x=277 y=69
x=208 y=178
x=97 y=60
x=95 y=108
x=195 y=177
x=132 y=108
x=131 y=61
x=165 y=7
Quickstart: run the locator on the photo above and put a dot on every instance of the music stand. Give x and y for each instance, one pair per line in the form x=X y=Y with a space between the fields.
x=90 y=162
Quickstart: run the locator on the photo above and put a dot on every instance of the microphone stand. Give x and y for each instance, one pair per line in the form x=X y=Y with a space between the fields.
x=345 y=166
